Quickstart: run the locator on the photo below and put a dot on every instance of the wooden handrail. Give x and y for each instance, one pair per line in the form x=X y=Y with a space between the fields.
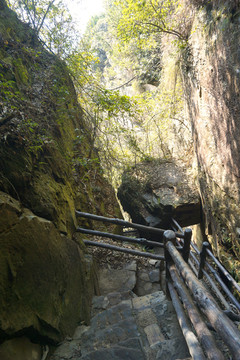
x=224 y=271
x=191 y=339
x=205 y=336
x=178 y=263
x=220 y=322
x=185 y=237
x=203 y=255
x=211 y=282
x=140 y=241
x=214 y=272
x=124 y=250
x=121 y=222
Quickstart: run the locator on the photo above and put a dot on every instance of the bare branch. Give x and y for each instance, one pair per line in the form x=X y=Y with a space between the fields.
x=154 y=8
x=126 y=83
x=34 y=11
x=25 y=2
x=44 y=17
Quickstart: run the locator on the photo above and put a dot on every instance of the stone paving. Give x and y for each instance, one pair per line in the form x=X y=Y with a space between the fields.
x=125 y=325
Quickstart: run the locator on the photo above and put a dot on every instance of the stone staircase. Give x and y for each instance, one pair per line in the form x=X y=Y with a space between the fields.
x=126 y=325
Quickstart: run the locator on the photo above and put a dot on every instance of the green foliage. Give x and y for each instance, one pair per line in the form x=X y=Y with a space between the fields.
x=124 y=45
x=32 y=136
x=8 y=88
x=51 y=21
x=141 y=19
x=20 y=72
x=113 y=103
x=136 y=125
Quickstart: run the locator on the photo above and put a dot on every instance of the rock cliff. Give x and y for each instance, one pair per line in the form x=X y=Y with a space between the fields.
x=212 y=73
x=48 y=167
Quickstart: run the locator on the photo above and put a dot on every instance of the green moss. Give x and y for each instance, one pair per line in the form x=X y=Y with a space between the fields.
x=21 y=72
x=231 y=264
x=6 y=59
x=46 y=282
x=102 y=208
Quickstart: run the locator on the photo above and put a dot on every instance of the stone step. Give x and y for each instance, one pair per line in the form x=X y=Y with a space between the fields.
x=138 y=328
x=114 y=353
x=132 y=319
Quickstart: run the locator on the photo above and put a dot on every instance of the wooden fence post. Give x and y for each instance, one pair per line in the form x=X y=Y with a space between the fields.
x=203 y=255
x=187 y=244
x=168 y=235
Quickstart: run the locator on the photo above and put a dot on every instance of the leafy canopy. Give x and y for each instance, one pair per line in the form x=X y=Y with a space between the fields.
x=140 y=19
x=51 y=21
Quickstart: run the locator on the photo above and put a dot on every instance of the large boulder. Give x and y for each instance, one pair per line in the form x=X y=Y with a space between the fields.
x=46 y=281
x=154 y=192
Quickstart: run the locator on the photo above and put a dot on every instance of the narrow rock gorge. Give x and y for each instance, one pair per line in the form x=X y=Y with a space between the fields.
x=210 y=68
x=173 y=152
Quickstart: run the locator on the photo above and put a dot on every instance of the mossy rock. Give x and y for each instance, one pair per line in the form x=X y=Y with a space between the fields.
x=41 y=122
x=21 y=73
x=45 y=280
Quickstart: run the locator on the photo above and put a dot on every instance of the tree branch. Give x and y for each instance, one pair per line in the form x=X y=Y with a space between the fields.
x=126 y=83
x=44 y=17
x=161 y=29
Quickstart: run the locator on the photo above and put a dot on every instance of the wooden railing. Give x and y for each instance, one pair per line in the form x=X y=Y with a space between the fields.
x=201 y=267
x=181 y=277
x=192 y=300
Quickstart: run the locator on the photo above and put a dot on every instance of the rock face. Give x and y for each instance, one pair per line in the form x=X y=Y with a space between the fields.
x=46 y=281
x=21 y=349
x=48 y=167
x=212 y=75
x=47 y=156
x=154 y=192
x=124 y=279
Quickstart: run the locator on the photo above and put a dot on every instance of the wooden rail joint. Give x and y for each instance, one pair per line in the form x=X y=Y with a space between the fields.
x=187 y=244
x=203 y=255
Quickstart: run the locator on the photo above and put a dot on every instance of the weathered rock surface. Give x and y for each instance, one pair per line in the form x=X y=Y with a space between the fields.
x=147 y=282
x=46 y=282
x=153 y=192
x=20 y=349
x=212 y=73
x=123 y=279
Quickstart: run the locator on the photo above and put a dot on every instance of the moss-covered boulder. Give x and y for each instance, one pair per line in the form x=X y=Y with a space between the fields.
x=39 y=118
x=45 y=282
